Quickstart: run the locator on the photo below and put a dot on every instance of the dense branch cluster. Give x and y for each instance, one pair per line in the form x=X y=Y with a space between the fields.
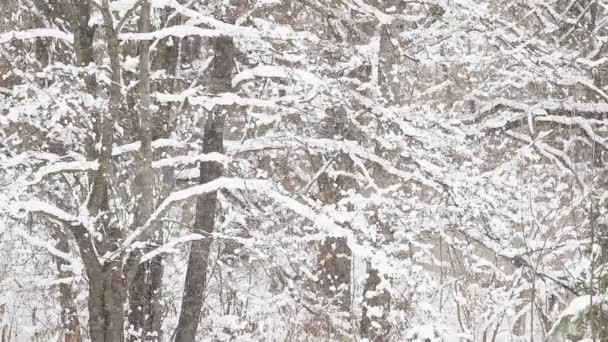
x=303 y=170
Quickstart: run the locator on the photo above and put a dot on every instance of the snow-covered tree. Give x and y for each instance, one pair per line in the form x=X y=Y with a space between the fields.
x=302 y=170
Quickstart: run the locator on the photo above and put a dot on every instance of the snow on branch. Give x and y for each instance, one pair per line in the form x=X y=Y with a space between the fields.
x=26 y=157
x=382 y=17
x=74 y=262
x=264 y=187
x=6 y=37
x=186 y=160
x=587 y=83
x=259 y=144
x=50 y=211
x=224 y=99
x=547 y=112
x=179 y=31
x=75 y=166
x=169 y=247
x=82 y=165
x=576 y=107
x=351 y=148
x=320 y=220
x=85 y=166
x=134 y=146
x=29 y=156
x=579 y=306
x=518 y=105
x=551 y=153
x=278 y=72
x=178 y=196
x=583 y=123
x=264 y=29
x=591 y=63
x=505 y=118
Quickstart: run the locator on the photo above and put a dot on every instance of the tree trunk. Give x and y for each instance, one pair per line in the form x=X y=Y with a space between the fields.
x=220 y=81
x=374 y=325
x=335 y=278
x=598 y=314
x=143 y=186
x=101 y=314
x=387 y=57
x=153 y=323
x=376 y=301
x=334 y=254
x=164 y=124
x=106 y=298
x=106 y=283
x=145 y=304
x=69 y=315
x=137 y=302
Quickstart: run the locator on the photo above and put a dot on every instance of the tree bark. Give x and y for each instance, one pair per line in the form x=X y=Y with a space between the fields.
x=143 y=186
x=374 y=327
x=335 y=279
x=598 y=315
x=106 y=283
x=105 y=302
x=220 y=81
x=69 y=315
x=387 y=57
x=70 y=322
x=334 y=254
x=164 y=124
x=153 y=322
x=376 y=301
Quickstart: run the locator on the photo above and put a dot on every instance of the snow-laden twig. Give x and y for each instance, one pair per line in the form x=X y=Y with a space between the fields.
x=583 y=123
x=188 y=160
x=224 y=99
x=6 y=37
x=169 y=247
x=551 y=153
x=278 y=72
x=74 y=262
x=51 y=211
x=178 y=196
